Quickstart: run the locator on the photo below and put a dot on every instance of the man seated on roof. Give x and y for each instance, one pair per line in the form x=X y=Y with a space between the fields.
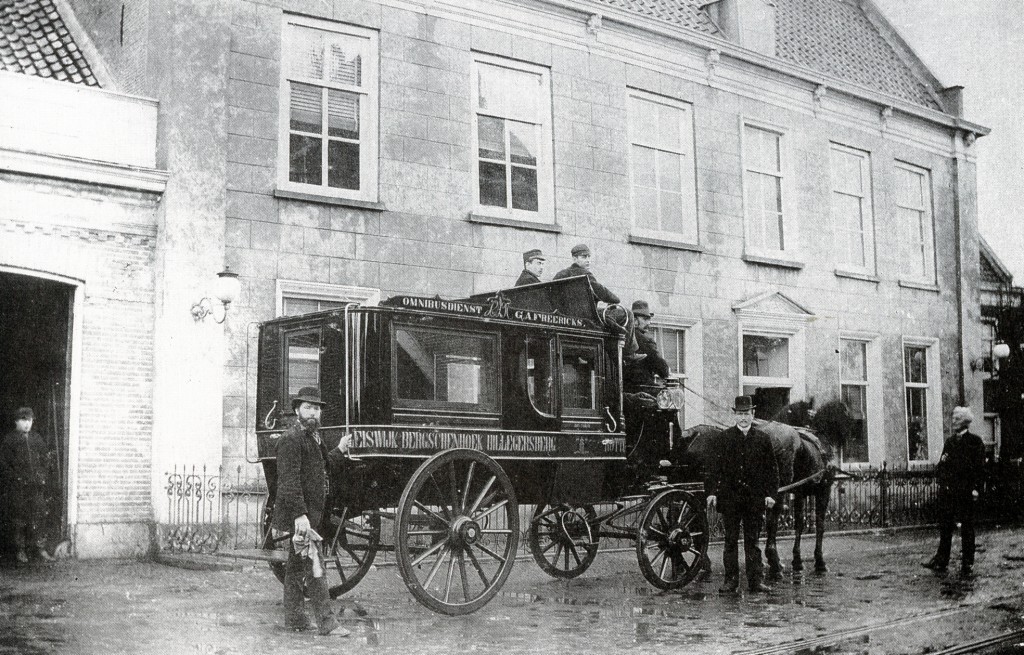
x=533 y=267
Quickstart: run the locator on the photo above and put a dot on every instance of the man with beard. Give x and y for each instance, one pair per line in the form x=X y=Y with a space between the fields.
x=301 y=497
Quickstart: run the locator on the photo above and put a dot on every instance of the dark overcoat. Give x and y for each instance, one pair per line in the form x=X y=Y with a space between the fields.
x=743 y=471
x=641 y=373
x=301 y=478
x=602 y=292
x=24 y=472
x=962 y=466
x=526 y=277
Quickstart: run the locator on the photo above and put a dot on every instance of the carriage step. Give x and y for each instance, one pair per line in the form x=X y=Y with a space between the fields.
x=257 y=554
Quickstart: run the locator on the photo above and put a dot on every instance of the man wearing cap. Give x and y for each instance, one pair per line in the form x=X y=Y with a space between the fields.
x=581 y=266
x=298 y=509
x=641 y=373
x=533 y=267
x=24 y=471
x=743 y=478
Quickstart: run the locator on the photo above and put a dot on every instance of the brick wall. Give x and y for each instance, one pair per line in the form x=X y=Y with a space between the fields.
x=120 y=31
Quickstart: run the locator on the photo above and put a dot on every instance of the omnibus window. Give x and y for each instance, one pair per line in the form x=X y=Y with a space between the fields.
x=539 y=383
x=442 y=367
x=302 y=357
x=579 y=376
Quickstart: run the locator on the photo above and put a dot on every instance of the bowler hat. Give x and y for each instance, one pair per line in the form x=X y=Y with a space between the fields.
x=641 y=308
x=307 y=395
x=530 y=255
x=23 y=413
x=743 y=404
x=580 y=249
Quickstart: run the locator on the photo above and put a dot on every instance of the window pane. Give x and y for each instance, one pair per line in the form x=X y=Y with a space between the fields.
x=854 y=361
x=306 y=52
x=643 y=120
x=491 y=137
x=579 y=377
x=765 y=356
x=440 y=367
x=492 y=185
x=855 y=398
x=508 y=93
x=539 y=378
x=915 y=364
x=523 y=143
x=303 y=361
x=644 y=171
x=305 y=159
x=346 y=59
x=306 y=109
x=846 y=212
x=296 y=306
x=762 y=150
x=917 y=424
x=672 y=344
x=671 y=212
x=646 y=209
x=343 y=165
x=669 y=178
x=524 y=188
x=343 y=114
x=669 y=136
x=847 y=172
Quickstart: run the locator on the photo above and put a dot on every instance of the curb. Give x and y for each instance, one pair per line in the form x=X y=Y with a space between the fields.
x=200 y=562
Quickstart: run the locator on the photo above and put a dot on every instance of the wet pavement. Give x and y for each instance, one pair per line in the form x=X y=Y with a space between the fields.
x=876 y=599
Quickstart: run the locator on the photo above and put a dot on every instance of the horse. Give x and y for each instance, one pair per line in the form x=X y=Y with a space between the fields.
x=805 y=468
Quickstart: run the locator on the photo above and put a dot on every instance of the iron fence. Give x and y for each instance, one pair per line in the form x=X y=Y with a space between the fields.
x=222 y=510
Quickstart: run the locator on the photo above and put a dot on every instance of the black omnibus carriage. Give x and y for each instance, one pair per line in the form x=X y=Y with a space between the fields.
x=458 y=412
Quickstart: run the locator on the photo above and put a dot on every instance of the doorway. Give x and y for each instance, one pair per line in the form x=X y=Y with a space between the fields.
x=36 y=317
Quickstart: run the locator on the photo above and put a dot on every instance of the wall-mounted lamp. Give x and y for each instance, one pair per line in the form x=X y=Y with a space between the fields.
x=225 y=289
x=990 y=364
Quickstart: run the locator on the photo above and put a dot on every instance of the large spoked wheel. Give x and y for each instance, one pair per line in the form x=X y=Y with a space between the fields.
x=563 y=540
x=274 y=540
x=352 y=541
x=457 y=531
x=673 y=539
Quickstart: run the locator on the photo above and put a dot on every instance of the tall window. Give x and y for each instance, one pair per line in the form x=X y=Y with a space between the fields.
x=512 y=131
x=672 y=345
x=915 y=372
x=328 y=140
x=763 y=183
x=851 y=209
x=854 y=393
x=914 y=215
x=662 y=167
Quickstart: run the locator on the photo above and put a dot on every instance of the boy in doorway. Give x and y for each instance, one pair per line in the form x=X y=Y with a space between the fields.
x=24 y=471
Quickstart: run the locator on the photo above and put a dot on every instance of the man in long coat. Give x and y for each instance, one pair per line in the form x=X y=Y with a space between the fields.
x=641 y=373
x=960 y=472
x=24 y=473
x=298 y=509
x=743 y=479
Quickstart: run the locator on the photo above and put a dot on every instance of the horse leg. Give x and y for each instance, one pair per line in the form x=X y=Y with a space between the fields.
x=798 y=526
x=771 y=550
x=820 y=506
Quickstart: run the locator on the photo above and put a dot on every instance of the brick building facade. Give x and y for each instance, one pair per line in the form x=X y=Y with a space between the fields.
x=796 y=203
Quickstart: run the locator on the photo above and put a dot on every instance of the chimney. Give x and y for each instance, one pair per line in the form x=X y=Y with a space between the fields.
x=953 y=100
x=749 y=23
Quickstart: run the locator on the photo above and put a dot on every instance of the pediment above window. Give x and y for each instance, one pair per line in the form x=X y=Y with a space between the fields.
x=774 y=307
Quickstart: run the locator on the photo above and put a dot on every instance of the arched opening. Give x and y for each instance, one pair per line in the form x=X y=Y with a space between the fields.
x=36 y=317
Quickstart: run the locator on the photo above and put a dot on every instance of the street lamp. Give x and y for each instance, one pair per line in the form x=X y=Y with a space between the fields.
x=225 y=289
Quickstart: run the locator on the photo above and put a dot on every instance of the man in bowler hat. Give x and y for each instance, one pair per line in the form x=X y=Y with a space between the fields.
x=743 y=479
x=960 y=472
x=533 y=267
x=301 y=497
x=25 y=466
x=641 y=373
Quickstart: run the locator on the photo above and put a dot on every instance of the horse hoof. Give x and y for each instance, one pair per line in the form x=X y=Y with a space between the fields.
x=705 y=575
x=820 y=567
x=798 y=566
x=775 y=575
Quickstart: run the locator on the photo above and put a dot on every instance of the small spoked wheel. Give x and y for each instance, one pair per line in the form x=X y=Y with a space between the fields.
x=274 y=540
x=351 y=545
x=563 y=539
x=457 y=531
x=673 y=539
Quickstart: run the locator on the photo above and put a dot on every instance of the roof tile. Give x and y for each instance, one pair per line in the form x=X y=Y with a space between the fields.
x=31 y=31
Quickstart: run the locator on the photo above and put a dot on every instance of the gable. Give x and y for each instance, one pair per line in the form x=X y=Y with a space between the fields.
x=773 y=303
x=34 y=40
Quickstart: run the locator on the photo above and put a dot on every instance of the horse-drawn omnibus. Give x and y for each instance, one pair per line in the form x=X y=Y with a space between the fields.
x=461 y=411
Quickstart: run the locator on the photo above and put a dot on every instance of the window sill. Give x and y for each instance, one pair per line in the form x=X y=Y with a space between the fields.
x=854 y=275
x=664 y=243
x=329 y=200
x=920 y=286
x=511 y=222
x=773 y=261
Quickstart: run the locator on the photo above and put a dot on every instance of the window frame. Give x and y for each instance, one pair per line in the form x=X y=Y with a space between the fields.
x=790 y=235
x=933 y=396
x=545 y=213
x=286 y=337
x=579 y=413
x=927 y=218
x=369 y=113
x=873 y=396
x=323 y=292
x=687 y=173
x=867 y=211
x=692 y=379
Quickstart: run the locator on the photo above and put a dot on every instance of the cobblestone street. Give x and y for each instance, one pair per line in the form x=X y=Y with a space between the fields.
x=875 y=599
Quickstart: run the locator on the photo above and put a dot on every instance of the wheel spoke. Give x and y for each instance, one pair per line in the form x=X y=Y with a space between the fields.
x=440 y=500
x=480 y=497
x=495 y=531
x=656 y=531
x=432 y=513
x=430 y=551
x=491 y=553
x=352 y=554
x=664 y=565
x=479 y=569
x=453 y=487
x=549 y=547
x=575 y=554
x=489 y=511
x=462 y=573
x=465 y=488
x=448 y=581
x=437 y=565
x=426 y=533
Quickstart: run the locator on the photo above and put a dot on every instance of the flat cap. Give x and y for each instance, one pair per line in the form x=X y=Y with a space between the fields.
x=580 y=249
x=24 y=412
x=530 y=255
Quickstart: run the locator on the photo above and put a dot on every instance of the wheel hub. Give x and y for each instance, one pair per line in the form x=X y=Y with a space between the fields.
x=465 y=530
x=679 y=538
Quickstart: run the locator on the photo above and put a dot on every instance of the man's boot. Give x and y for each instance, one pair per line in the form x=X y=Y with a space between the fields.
x=729 y=586
x=935 y=564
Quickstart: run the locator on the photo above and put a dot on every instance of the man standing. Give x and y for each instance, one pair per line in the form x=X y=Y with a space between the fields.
x=581 y=266
x=24 y=469
x=533 y=267
x=960 y=472
x=641 y=373
x=298 y=508
x=743 y=479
